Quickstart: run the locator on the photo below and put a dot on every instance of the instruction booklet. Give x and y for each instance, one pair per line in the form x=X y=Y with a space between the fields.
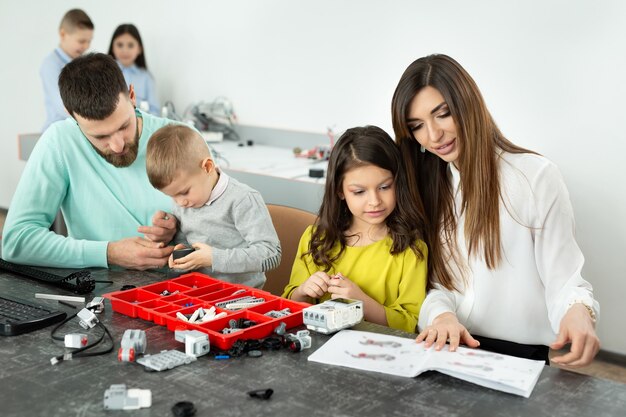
x=403 y=357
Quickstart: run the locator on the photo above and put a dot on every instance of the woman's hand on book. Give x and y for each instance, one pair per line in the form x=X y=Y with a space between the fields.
x=446 y=327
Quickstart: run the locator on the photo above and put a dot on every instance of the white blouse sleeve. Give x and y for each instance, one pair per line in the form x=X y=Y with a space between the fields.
x=559 y=259
x=439 y=300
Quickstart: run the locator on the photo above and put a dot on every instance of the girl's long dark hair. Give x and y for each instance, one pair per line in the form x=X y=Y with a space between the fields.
x=134 y=32
x=360 y=146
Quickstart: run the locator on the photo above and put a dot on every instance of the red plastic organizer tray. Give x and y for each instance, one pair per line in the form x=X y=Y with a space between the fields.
x=203 y=291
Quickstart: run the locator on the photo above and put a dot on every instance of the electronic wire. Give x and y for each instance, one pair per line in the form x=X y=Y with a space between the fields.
x=81 y=352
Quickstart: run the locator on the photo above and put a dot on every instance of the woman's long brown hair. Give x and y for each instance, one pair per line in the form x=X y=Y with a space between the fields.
x=360 y=146
x=479 y=140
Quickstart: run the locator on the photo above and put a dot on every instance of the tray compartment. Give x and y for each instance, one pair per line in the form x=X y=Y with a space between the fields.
x=145 y=309
x=126 y=302
x=195 y=280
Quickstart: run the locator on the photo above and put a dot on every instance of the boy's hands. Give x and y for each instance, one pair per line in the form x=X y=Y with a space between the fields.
x=138 y=253
x=170 y=261
x=163 y=228
x=201 y=257
x=314 y=287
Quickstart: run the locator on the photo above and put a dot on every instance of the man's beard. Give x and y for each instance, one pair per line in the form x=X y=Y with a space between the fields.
x=121 y=161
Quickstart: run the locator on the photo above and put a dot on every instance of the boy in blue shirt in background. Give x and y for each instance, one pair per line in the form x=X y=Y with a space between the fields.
x=75 y=32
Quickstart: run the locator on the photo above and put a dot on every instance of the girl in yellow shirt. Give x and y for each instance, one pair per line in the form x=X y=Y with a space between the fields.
x=367 y=242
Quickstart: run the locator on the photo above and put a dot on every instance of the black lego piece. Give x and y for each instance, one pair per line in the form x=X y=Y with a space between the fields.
x=181 y=253
x=184 y=409
x=262 y=394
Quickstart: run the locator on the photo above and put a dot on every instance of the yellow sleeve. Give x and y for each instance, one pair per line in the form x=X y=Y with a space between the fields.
x=301 y=270
x=403 y=313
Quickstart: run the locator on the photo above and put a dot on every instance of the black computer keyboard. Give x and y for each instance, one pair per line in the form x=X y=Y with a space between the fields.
x=19 y=316
x=79 y=282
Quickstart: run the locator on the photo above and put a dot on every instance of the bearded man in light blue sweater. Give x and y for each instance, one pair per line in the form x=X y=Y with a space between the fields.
x=92 y=168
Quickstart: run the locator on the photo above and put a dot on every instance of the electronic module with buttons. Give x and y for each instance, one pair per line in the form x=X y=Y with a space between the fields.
x=333 y=315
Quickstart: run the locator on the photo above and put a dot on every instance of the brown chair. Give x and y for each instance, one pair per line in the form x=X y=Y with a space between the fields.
x=289 y=223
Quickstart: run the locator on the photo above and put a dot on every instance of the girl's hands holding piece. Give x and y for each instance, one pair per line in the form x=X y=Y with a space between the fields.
x=314 y=287
x=342 y=287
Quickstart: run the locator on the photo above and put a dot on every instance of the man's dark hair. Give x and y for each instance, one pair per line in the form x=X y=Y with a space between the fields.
x=90 y=86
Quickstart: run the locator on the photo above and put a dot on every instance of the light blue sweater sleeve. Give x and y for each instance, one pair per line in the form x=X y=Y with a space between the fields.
x=27 y=238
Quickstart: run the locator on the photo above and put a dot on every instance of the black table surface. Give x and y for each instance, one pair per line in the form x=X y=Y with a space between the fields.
x=31 y=386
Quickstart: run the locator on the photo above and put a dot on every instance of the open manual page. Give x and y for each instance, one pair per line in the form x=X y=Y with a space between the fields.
x=403 y=357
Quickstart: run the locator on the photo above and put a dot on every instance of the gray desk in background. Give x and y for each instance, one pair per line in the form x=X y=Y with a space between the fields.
x=25 y=144
x=275 y=172
x=32 y=387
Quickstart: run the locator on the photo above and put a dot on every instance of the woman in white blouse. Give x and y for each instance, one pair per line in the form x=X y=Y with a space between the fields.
x=503 y=259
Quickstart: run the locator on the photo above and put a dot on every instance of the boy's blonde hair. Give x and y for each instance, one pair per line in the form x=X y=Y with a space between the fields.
x=173 y=149
x=76 y=19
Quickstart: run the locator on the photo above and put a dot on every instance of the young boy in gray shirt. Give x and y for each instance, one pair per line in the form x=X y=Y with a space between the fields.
x=227 y=222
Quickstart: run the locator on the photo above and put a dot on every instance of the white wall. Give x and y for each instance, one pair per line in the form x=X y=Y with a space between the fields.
x=552 y=73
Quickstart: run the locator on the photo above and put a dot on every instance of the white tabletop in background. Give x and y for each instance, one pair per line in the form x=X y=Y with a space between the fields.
x=266 y=160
